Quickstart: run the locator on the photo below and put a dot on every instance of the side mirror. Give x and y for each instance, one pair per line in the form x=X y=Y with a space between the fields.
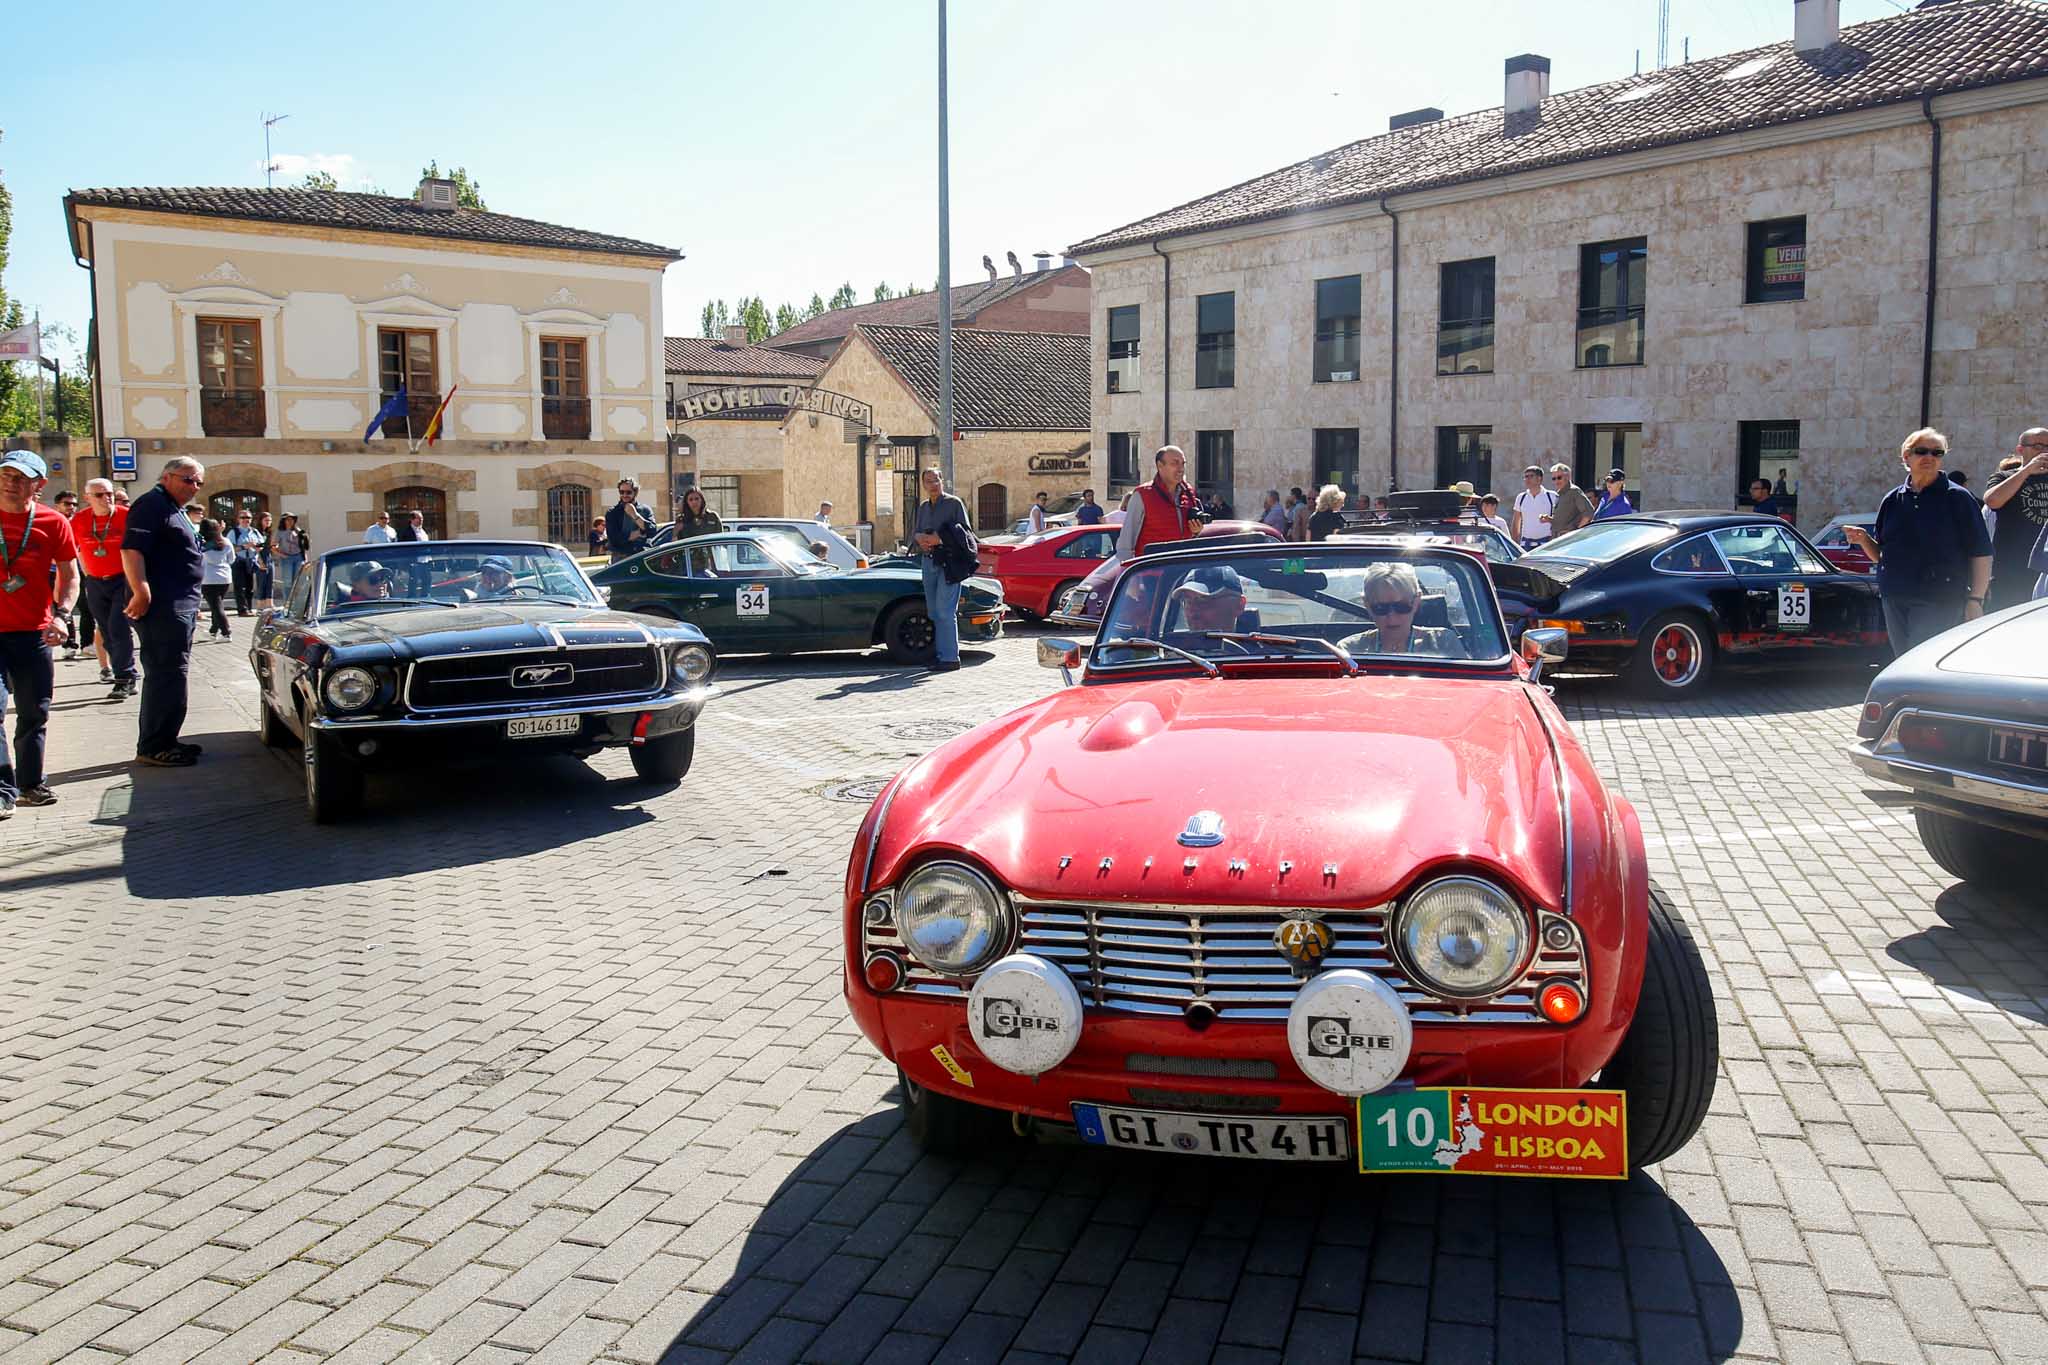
x=1064 y=655
x=266 y=616
x=1544 y=645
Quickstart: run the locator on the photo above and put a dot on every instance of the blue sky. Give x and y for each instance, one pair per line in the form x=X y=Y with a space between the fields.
x=782 y=147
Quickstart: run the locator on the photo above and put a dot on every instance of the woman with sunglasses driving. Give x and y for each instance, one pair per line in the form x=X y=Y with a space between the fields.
x=1393 y=594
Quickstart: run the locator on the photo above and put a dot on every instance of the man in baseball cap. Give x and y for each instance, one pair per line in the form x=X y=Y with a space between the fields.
x=1211 y=598
x=495 y=575
x=38 y=582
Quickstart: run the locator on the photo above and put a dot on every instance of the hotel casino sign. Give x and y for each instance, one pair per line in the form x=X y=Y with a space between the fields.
x=772 y=400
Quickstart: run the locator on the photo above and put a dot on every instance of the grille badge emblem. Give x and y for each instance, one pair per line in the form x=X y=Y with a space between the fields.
x=1204 y=830
x=541 y=675
x=1304 y=941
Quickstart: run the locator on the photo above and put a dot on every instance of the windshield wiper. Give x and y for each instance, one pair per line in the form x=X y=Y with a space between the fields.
x=1206 y=665
x=1263 y=638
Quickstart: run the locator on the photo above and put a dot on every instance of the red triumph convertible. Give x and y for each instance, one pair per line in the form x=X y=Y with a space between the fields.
x=1307 y=866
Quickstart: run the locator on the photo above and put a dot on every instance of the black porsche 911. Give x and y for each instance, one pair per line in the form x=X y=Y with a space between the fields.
x=1666 y=597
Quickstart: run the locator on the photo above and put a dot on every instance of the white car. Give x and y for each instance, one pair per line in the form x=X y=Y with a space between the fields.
x=839 y=550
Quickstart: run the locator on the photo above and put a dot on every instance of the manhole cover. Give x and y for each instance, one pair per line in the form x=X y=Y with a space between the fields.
x=927 y=729
x=864 y=790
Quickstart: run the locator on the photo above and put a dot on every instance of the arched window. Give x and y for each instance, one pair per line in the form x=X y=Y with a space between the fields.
x=430 y=503
x=568 y=514
x=224 y=505
x=992 y=507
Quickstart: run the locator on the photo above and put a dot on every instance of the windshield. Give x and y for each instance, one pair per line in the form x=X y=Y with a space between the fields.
x=1605 y=541
x=449 y=573
x=1373 y=603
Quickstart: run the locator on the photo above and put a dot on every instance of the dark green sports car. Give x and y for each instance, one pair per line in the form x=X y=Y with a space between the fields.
x=753 y=593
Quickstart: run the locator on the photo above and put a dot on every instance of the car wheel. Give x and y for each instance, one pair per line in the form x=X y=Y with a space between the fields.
x=1058 y=595
x=1977 y=853
x=1668 y=1061
x=943 y=1125
x=270 y=729
x=334 y=785
x=666 y=759
x=908 y=635
x=1675 y=656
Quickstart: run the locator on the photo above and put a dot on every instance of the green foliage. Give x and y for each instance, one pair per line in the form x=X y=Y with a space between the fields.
x=468 y=193
x=320 y=180
x=843 y=297
x=716 y=319
x=759 y=323
x=786 y=317
x=814 y=307
x=18 y=384
x=884 y=292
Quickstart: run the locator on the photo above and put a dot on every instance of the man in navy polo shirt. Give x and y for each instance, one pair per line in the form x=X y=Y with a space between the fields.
x=1932 y=551
x=36 y=560
x=160 y=556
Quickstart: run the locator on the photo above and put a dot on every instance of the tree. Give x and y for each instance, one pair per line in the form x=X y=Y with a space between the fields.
x=884 y=292
x=468 y=193
x=843 y=297
x=18 y=403
x=786 y=317
x=320 y=180
x=716 y=319
x=814 y=307
x=754 y=314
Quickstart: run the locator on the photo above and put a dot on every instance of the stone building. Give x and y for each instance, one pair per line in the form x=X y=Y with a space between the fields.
x=1020 y=411
x=726 y=402
x=1773 y=261
x=1048 y=298
x=260 y=331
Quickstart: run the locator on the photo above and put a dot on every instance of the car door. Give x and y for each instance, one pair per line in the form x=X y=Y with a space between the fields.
x=1792 y=599
x=770 y=607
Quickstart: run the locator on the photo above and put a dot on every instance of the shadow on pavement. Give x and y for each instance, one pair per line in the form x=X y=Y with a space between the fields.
x=873 y=1250
x=1734 y=695
x=1989 y=947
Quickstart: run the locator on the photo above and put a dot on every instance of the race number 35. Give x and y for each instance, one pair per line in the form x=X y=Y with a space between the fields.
x=1795 y=605
x=753 y=600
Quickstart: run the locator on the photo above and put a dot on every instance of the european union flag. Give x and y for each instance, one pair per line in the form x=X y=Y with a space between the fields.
x=393 y=407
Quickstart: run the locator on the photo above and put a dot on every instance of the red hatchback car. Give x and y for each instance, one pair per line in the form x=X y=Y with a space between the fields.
x=1307 y=866
x=1037 y=571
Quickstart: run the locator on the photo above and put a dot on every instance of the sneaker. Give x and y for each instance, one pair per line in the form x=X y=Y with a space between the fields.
x=38 y=795
x=192 y=749
x=106 y=675
x=169 y=758
x=122 y=691
x=6 y=807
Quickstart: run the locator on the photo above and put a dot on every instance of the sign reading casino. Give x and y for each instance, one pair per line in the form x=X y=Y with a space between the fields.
x=743 y=397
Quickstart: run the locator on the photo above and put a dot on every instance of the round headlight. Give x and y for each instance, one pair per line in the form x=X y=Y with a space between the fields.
x=350 y=689
x=1462 y=936
x=693 y=663
x=953 y=918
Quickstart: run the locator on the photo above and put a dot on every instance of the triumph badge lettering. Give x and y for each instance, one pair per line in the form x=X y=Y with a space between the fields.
x=1304 y=941
x=542 y=675
x=1204 y=830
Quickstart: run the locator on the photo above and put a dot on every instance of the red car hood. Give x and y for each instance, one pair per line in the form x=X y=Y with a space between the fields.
x=1380 y=776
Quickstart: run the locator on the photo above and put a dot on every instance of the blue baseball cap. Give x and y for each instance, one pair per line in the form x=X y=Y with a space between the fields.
x=1211 y=579
x=498 y=562
x=27 y=461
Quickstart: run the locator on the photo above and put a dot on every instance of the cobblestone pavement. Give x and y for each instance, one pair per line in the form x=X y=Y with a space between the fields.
x=544 y=1064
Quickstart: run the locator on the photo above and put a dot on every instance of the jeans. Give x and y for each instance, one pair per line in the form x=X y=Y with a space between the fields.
x=288 y=573
x=28 y=677
x=942 y=604
x=166 y=634
x=1912 y=620
x=107 y=599
x=213 y=593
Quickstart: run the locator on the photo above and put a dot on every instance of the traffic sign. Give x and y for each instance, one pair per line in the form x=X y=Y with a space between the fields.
x=122 y=459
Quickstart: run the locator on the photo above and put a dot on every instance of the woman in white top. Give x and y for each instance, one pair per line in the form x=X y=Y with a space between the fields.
x=216 y=573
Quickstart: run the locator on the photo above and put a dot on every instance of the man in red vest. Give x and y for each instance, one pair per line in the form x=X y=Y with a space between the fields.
x=1162 y=510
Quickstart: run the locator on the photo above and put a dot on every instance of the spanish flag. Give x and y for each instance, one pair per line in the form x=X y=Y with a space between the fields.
x=434 y=422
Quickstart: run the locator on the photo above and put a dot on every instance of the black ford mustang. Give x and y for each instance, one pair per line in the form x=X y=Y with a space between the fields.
x=390 y=654
x=1666 y=596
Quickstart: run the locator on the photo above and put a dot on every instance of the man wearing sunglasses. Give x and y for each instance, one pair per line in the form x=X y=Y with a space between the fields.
x=160 y=557
x=1932 y=551
x=1574 y=509
x=98 y=531
x=38 y=580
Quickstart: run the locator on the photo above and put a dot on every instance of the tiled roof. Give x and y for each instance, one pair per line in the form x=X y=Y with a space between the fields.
x=364 y=213
x=702 y=355
x=1002 y=381
x=1953 y=46
x=916 y=310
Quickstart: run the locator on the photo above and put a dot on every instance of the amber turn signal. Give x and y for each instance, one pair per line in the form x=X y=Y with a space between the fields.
x=1568 y=627
x=1561 y=1002
x=884 y=972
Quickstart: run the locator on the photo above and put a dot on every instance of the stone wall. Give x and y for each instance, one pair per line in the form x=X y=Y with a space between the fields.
x=1844 y=362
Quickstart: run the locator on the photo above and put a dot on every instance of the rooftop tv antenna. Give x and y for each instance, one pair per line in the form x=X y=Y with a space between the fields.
x=1663 y=34
x=269 y=166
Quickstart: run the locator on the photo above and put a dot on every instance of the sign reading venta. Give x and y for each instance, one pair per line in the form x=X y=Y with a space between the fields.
x=710 y=402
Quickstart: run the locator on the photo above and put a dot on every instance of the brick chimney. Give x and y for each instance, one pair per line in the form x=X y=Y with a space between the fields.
x=1528 y=83
x=1816 y=24
x=736 y=334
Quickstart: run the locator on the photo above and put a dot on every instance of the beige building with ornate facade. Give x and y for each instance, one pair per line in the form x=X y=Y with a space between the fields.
x=1735 y=267
x=260 y=332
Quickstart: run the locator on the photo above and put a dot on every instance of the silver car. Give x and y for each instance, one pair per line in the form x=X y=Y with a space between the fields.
x=1962 y=722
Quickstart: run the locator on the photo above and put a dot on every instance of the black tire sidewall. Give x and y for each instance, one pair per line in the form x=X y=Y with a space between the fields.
x=1670 y=1059
x=666 y=759
x=897 y=627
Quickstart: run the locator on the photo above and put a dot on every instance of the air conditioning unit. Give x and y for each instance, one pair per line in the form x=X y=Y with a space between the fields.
x=438 y=195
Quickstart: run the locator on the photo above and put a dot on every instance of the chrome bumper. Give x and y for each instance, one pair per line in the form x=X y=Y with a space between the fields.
x=1950 y=786
x=690 y=700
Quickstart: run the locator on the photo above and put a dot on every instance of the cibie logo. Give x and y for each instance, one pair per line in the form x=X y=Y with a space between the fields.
x=1332 y=1036
x=1006 y=1019
x=541 y=675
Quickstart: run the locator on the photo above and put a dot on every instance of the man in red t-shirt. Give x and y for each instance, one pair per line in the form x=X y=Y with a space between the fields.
x=33 y=539
x=96 y=532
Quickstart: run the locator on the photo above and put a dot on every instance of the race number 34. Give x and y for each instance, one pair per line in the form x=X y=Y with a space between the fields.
x=1795 y=606
x=753 y=600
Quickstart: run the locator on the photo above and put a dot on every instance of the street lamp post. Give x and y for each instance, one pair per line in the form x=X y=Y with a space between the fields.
x=945 y=279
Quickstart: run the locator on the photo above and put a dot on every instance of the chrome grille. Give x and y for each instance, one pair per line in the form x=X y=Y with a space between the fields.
x=453 y=682
x=1158 y=959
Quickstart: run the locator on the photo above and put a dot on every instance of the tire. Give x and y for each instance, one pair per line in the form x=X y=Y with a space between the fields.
x=1668 y=1061
x=908 y=635
x=1059 y=594
x=1675 y=656
x=943 y=1125
x=1977 y=853
x=270 y=730
x=334 y=785
x=666 y=759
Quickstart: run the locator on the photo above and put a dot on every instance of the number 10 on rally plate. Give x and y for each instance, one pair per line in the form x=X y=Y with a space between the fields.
x=1467 y=1130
